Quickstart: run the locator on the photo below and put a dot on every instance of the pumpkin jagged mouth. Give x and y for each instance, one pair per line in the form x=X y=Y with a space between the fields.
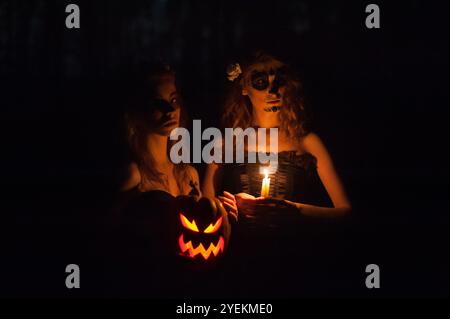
x=188 y=249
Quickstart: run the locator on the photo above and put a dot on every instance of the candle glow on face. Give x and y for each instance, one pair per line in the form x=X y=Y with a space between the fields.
x=265 y=189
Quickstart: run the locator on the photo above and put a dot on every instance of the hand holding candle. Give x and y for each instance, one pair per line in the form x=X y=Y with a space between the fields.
x=265 y=189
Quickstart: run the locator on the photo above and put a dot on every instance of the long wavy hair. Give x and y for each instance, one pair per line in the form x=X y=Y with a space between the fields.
x=138 y=127
x=238 y=109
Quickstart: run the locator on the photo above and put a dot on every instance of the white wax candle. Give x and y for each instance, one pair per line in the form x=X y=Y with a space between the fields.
x=265 y=189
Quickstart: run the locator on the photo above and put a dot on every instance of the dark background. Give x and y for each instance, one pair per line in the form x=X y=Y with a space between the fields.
x=379 y=99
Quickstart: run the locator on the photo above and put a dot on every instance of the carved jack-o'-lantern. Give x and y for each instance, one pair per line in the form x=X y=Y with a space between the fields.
x=204 y=229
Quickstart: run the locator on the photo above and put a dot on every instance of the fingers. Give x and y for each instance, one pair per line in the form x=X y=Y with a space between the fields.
x=229 y=195
x=244 y=196
x=241 y=200
x=227 y=200
x=263 y=207
x=249 y=205
x=272 y=202
x=232 y=210
x=230 y=204
x=265 y=201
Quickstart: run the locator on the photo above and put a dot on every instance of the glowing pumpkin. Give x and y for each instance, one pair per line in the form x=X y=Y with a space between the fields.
x=204 y=229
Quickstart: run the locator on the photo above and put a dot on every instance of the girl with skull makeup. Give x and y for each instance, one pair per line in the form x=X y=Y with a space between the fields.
x=266 y=94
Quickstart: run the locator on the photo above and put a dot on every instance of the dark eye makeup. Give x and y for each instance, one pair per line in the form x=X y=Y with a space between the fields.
x=260 y=79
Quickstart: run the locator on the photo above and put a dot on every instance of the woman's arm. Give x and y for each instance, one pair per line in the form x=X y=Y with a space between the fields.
x=133 y=178
x=330 y=179
x=310 y=210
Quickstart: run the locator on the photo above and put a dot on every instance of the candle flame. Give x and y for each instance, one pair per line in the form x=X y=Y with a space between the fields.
x=266 y=173
x=271 y=169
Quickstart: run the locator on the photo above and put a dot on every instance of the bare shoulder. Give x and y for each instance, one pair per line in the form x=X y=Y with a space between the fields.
x=312 y=143
x=133 y=177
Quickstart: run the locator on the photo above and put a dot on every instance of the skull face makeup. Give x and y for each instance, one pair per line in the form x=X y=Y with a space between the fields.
x=271 y=83
x=257 y=97
x=260 y=80
x=279 y=81
x=273 y=109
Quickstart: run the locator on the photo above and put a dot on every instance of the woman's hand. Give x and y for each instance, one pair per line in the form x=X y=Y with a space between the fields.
x=251 y=205
x=274 y=205
x=229 y=202
x=245 y=203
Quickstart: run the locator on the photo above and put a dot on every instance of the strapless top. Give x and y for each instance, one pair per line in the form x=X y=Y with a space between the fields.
x=294 y=177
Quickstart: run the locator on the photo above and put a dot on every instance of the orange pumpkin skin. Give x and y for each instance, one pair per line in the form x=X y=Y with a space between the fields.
x=203 y=229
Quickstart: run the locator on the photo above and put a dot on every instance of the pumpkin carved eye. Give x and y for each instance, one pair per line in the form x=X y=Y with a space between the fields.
x=213 y=228
x=189 y=225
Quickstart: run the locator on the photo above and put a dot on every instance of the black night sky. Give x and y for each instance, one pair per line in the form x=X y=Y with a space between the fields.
x=379 y=100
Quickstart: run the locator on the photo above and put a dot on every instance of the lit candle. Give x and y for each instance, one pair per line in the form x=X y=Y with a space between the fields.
x=265 y=185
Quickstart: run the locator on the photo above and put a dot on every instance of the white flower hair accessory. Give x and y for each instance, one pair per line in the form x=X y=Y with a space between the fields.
x=233 y=71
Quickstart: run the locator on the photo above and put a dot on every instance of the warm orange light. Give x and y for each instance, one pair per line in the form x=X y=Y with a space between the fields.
x=200 y=249
x=187 y=224
x=265 y=188
x=213 y=228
